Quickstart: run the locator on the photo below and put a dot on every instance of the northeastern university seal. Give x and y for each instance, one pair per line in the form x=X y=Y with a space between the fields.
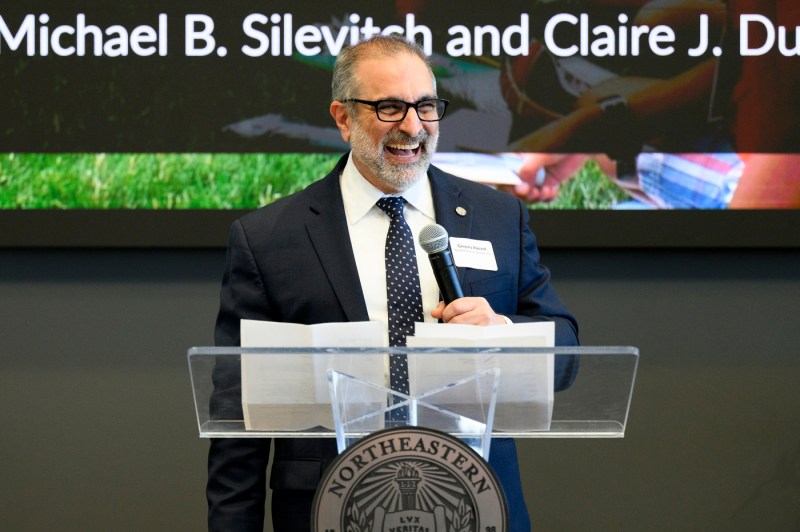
x=409 y=479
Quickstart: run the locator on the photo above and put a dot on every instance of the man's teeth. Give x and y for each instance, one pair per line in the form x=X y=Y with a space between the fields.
x=403 y=146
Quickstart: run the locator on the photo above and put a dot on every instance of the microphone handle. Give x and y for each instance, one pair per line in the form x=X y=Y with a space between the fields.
x=444 y=270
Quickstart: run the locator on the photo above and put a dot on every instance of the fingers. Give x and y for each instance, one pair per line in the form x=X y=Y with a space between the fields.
x=468 y=310
x=534 y=163
x=532 y=193
x=543 y=173
x=438 y=312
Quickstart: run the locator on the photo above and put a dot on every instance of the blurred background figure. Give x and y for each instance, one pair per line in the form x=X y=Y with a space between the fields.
x=671 y=141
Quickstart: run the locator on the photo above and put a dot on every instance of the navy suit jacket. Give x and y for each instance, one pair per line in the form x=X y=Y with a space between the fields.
x=292 y=261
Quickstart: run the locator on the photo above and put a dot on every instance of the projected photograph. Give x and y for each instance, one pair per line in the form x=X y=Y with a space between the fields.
x=567 y=104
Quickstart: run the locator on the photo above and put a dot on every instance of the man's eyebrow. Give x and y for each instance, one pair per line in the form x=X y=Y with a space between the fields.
x=420 y=99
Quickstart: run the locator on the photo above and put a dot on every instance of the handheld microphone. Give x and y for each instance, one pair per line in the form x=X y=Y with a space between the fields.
x=434 y=240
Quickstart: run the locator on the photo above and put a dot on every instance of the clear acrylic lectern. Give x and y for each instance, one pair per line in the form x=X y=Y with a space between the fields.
x=472 y=393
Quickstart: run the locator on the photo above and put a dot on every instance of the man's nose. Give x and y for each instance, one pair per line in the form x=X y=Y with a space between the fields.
x=411 y=125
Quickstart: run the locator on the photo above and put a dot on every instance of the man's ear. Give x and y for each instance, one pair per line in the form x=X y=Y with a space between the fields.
x=342 y=118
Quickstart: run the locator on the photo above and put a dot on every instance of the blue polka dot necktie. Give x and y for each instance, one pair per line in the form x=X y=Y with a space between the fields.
x=403 y=292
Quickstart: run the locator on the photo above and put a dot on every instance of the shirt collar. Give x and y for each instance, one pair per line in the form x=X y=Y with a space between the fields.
x=359 y=195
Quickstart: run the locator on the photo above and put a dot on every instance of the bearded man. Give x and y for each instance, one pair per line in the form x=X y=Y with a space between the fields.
x=385 y=104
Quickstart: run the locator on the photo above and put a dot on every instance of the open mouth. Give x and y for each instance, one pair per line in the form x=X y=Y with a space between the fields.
x=403 y=150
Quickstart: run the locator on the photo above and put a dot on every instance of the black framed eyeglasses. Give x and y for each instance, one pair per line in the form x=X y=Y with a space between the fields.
x=428 y=110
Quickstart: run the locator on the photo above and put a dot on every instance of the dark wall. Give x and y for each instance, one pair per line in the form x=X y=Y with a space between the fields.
x=99 y=433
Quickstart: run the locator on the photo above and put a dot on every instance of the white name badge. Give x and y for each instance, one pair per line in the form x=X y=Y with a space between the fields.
x=468 y=253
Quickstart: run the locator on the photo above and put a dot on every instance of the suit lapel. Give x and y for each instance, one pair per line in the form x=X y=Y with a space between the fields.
x=448 y=201
x=327 y=230
x=328 y=233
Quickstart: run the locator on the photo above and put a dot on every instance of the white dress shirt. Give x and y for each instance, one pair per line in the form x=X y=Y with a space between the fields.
x=368 y=226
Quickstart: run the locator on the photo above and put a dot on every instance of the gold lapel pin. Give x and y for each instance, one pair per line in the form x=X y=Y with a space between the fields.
x=461 y=211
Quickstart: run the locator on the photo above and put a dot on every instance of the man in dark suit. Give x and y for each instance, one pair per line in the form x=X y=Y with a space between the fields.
x=318 y=256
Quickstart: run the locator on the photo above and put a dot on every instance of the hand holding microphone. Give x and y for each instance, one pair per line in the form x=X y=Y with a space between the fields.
x=472 y=310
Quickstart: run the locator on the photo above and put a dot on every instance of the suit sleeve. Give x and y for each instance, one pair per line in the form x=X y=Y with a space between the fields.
x=538 y=301
x=237 y=468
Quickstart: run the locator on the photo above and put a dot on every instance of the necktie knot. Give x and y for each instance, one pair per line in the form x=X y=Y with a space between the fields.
x=392 y=205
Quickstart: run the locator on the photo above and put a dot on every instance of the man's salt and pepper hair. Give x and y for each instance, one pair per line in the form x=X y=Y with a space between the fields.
x=345 y=83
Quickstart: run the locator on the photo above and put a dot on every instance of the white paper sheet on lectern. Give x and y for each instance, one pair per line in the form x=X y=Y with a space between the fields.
x=525 y=397
x=291 y=392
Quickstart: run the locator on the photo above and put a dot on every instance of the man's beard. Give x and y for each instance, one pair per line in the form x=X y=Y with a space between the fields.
x=398 y=177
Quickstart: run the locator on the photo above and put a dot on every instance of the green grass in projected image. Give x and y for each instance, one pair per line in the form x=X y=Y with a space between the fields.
x=203 y=181
x=155 y=181
x=588 y=189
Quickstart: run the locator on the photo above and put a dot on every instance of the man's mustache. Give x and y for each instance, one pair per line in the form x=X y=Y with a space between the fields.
x=402 y=138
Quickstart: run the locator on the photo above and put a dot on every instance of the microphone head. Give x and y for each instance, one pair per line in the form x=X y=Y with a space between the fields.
x=433 y=238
